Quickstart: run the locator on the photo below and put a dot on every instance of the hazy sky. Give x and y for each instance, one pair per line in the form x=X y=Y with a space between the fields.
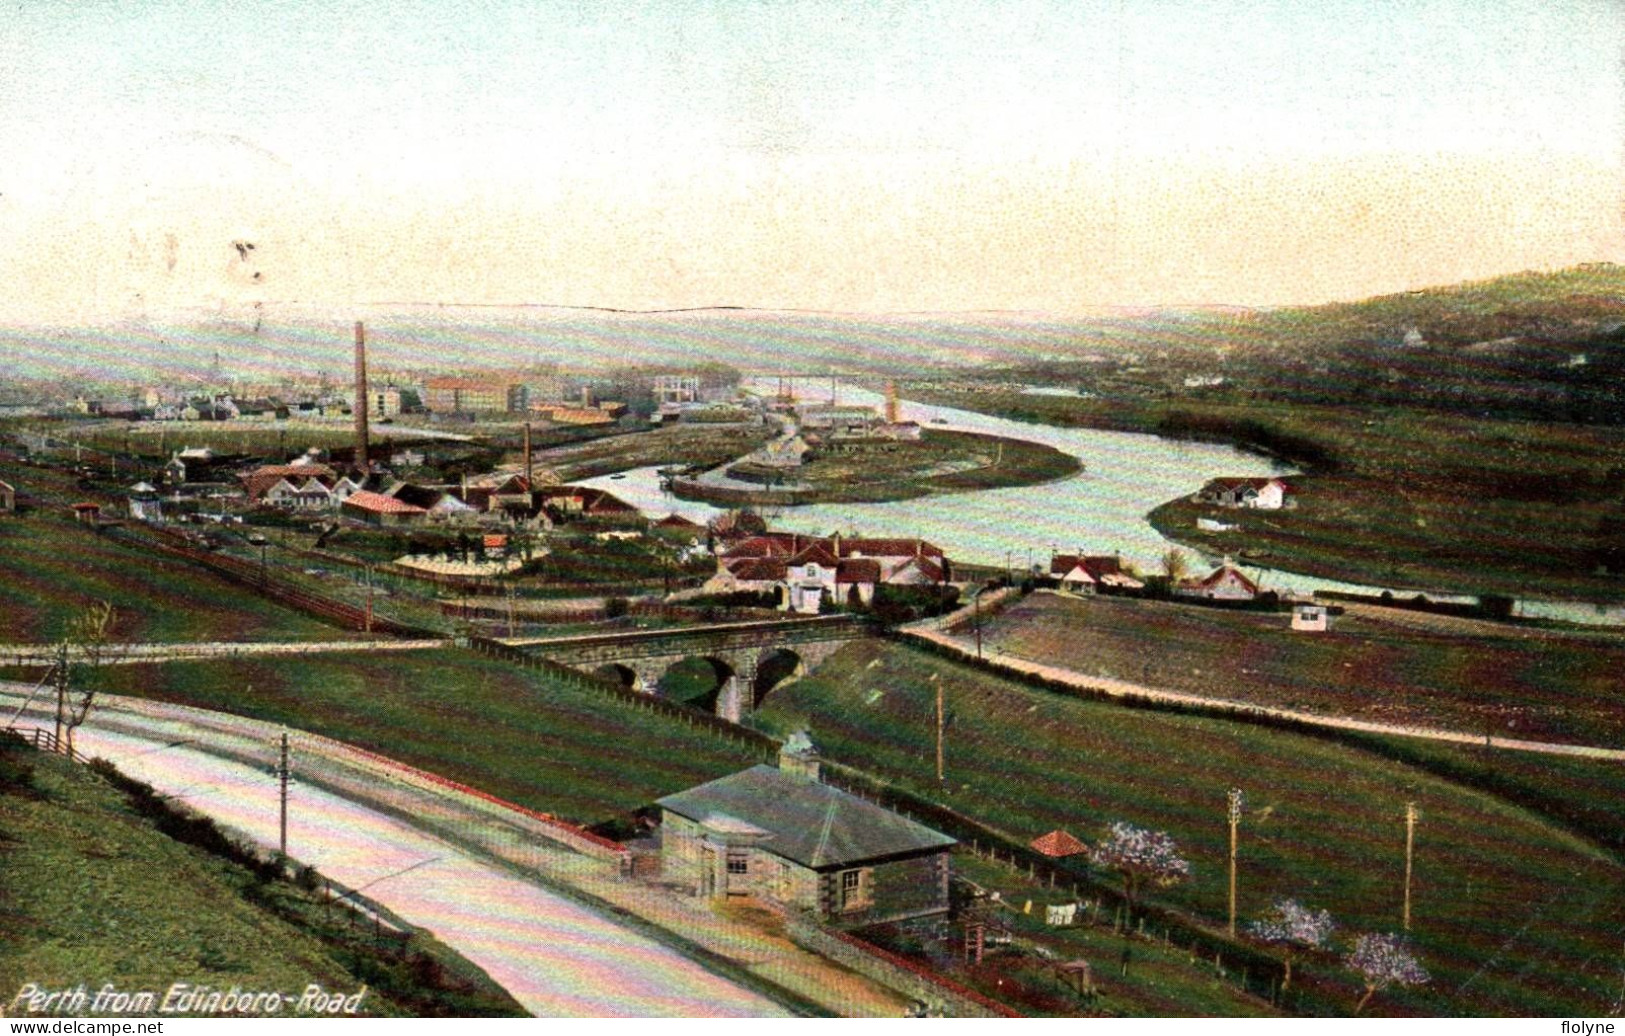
x=874 y=156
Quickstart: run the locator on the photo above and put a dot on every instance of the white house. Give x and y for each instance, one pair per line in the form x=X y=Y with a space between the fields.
x=1310 y=617
x=1225 y=583
x=1265 y=494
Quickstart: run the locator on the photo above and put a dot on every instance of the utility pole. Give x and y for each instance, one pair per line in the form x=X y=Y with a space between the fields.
x=59 y=673
x=1410 y=842
x=976 y=605
x=1234 y=814
x=262 y=566
x=510 y=611
x=940 y=725
x=369 y=598
x=284 y=776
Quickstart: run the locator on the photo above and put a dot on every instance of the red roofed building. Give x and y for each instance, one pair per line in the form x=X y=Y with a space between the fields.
x=1225 y=583
x=1058 y=844
x=844 y=569
x=1086 y=574
x=379 y=509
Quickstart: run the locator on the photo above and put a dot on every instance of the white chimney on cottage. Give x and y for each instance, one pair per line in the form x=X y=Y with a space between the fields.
x=798 y=757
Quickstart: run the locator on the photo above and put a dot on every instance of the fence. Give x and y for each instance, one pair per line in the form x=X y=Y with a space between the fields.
x=254 y=577
x=895 y=972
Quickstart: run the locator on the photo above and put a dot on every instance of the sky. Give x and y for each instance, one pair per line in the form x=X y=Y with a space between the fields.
x=1047 y=156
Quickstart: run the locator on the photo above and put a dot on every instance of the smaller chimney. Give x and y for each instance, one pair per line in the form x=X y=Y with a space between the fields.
x=799 y=758
x=586 y=396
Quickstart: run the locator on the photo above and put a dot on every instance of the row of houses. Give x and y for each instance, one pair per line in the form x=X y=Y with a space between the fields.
x=803 y=572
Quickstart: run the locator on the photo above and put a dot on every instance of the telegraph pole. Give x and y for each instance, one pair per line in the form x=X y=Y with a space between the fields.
x=1234 y=814
x=940 y=725
x=60 y=678
x=284 y=776
x=1410 y=842
x=976 y=603
x=369 y=598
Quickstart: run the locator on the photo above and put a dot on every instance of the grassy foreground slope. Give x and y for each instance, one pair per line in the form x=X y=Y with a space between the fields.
x=93 y=892
x=1513 y=913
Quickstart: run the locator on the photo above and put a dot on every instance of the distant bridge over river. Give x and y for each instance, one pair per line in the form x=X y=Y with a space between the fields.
x=749 y=659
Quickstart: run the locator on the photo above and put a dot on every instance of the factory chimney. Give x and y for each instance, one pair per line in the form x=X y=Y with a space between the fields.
x=530 y=485
x=891 y=402
x=363 y=399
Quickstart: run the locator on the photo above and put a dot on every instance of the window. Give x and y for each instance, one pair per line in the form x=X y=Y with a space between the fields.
x=738 y=863
x=854 y=890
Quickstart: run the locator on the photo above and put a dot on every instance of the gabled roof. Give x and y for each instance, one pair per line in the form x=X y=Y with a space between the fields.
x=676 y=521
x=1218 y=576
x=815 y=553
x=377 y=503
x=888 y=548
x=924 y=565
x=757 y=570
x=1058 y=844
x=858 y=570
x=811 y=823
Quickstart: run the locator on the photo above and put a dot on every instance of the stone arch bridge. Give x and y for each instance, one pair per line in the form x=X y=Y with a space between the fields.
x=748 y=659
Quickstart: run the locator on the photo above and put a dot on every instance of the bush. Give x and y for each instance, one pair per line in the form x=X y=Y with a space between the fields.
x=16 y=766
x=617 y=607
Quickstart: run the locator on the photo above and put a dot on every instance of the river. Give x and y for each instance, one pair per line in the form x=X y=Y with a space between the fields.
x=1100 y=511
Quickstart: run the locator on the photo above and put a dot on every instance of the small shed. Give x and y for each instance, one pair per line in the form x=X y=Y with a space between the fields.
x=8 y=498
x=1310 y=617
x=88 y=513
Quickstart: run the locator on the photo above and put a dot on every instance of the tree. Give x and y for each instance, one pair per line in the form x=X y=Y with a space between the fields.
x=1295 y=928
x=1382 y=961
x=1142 y=857
x=84 y=647
x=1176 y=565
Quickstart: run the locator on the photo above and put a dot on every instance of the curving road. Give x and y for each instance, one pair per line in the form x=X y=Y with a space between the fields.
x=555 y=956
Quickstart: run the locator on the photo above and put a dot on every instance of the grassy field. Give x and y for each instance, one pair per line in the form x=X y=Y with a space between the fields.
x=1394 y=496
x=51 y=567
x=92 y=892
x=1513 y=913
x=681 y=444
x=1509 y=682
x=573 y=752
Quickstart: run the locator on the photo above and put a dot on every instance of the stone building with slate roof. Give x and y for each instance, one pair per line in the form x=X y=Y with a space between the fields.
x=782 y=835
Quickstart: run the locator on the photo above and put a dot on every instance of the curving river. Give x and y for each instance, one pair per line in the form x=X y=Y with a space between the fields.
x=1100 y=511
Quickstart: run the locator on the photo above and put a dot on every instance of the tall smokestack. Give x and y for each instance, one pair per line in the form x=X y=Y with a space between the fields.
x=891 y=402
x=363 y=399
x=528 y=483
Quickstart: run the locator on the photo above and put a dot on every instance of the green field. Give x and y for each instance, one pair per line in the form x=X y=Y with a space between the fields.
x=1514 y=914
x=568 y=750
x=93 y=892
x=51 y=568
x=1499 y=679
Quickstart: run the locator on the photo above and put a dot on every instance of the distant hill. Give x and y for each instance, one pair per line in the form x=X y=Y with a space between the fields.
x=1539 y=345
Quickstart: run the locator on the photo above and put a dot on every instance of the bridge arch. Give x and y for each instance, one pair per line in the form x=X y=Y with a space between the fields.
x=624 y=675
x=699 y=680
x=775 y=668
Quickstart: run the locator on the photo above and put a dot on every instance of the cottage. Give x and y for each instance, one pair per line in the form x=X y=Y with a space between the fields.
x=782 y=835
x=175 y=471
x=1087 y=574
x=1265 y=494
x=1225 y=583
x=804 y=570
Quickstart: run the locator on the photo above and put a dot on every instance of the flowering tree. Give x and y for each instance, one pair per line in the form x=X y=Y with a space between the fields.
x=1382 y=961
x=1142 y=857
x=1295 y=928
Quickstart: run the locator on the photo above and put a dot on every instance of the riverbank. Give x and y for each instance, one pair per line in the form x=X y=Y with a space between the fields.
x=940 y=462
x=1410 y=499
